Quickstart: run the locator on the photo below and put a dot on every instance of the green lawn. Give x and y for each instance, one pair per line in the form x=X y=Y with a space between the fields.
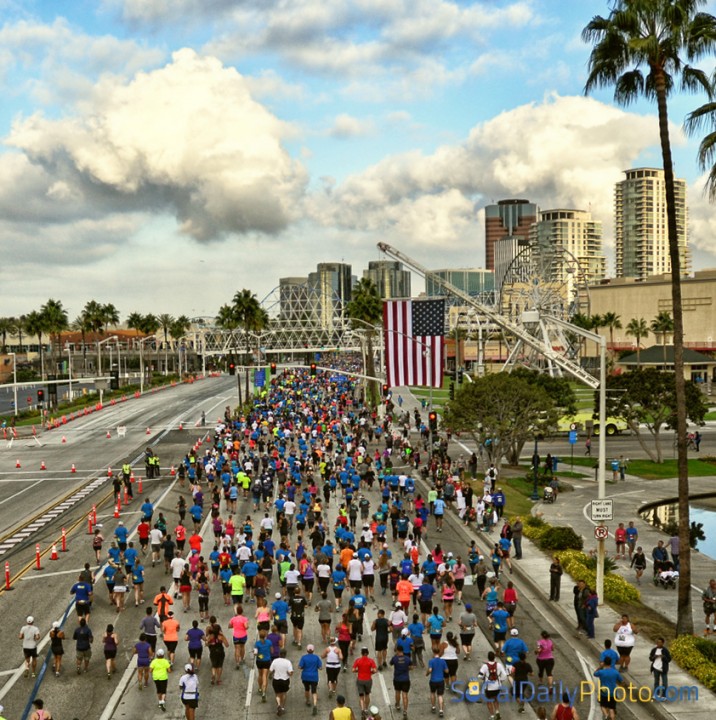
x=652 y=471
x=516 y=492
x=710 y=415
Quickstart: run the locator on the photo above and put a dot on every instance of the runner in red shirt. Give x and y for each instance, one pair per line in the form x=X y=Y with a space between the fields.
x=143 y=530
x=364 y=667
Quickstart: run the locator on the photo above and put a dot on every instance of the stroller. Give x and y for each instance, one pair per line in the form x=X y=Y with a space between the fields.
x=667 y=576
x=548 y=496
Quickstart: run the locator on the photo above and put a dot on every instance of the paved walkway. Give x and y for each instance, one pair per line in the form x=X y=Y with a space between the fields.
x=573 y=509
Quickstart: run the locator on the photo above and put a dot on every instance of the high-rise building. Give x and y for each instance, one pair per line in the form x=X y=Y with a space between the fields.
x=294 y=301
x=642 y=242
x=505 y=251
x=389 y=277
x=474 y=281
x=331 y=285
x=576 y=232
x=509 y=218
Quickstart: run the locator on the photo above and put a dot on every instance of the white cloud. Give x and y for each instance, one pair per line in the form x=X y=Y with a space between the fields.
x=187 y=138
x=346 y=126
x=564 y=152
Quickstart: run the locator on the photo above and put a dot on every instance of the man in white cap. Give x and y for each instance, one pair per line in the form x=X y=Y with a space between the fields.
x=161 y=667
x=30 y=636
x=189 y=685
x=309 y=665
x=512 y=648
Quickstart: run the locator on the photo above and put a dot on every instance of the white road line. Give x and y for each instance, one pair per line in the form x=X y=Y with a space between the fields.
x=593 y=712
x=37 y=576
x=121 y=688
x=250 y=688
x=20 y=492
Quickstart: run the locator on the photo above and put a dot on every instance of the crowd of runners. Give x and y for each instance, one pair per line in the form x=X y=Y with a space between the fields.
x=310 y=504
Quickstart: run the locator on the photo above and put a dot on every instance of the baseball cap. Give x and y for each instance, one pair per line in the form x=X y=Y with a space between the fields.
x=310 y=648
x=30 y=619
x=385 y=546
x=55 y=624
x=514 y=631
x=189 y=667
x=364 y=649
x=468 y=607
x=120 y=523
x=374 y=710
x=278 y=596
x=449 y=554
x=160 y=653
x=399 y=605
x=404 y=631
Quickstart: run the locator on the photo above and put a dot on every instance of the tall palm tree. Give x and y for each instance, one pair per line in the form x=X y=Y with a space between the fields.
x=227 y=319
x=82 y=325
x=35 y=325
x=20 y=329
x=251 y=316
x=135 y=321
x=55 y=319
x=638 y=329
x=165 y=322
x=7 y=327
x=93 y=319
x=178 y=329
x=367 y=308
x=659 y=38
x=663 y=324
x=612 y=322
x=109 y=315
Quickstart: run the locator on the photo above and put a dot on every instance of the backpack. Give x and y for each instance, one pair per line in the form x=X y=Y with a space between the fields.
x=492 y=672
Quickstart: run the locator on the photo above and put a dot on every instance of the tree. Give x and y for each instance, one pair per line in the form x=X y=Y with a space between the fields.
x=35 y=325
x=55 y=321
x=646 y=398
x=659 y=37
x=150 y=324
x=20 y=329
x=178 y=329
x=251 y=317
x=135 y=321
x=7 y=327
x=82 y=325
x=165 y=322
x=559 y=389
x=663 y=324
x=612 y=322
x=501 y=413
x=638 y=329
x=366 y=309
x=109 y=315
x=227 y=319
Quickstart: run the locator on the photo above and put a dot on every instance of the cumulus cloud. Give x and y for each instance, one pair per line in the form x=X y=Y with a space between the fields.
x=187 y=138
x=346 y=126
x=564 y=152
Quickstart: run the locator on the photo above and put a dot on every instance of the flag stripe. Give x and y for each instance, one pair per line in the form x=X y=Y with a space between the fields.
x=410 y=359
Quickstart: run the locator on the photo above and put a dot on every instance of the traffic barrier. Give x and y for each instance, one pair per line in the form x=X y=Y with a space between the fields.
x=53 y=552
x=43 y=466
x=7 y=577
x=64 y=540
x=38 y=565
x=131 y=476
x=73 y=469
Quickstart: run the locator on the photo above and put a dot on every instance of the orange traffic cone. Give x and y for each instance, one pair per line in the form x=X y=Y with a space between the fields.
x=17 y=464
x=181 y=426
x=73 y=469
x=172 y=472
x=117 y=508
x=53 y=553
x=109 y=472
x=131 y=476
x=64 y=439
x=139 y=485
x=43 y=466
x=126 y=497
x=149 y=432
x=109 y=434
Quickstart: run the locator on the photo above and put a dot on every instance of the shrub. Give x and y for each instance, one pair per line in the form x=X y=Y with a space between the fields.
x=696 y=656
x=610 y=564
x=616 y=589
x=560 y=538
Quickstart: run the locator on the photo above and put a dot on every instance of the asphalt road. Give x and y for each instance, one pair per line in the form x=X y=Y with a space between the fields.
x=44 y=593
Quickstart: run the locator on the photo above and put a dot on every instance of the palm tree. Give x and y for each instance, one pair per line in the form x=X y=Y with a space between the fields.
x=165 y=322
x=613 y=322
x=366 y=308
x=638 y=329
x=82 y=325
x=55 y=319
x=7 y=326
x=659 y=37
x=135 y=321
x=177 y=330
x=94 y=323
x=250 y=315
x=663 y=324
x=35 y=325
x=109 y=316
x=20 y=329
x=227 y=319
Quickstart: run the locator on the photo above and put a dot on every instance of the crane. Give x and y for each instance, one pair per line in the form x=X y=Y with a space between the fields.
x=504 y=323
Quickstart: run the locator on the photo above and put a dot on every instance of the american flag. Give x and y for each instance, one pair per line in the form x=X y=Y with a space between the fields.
x=414 y=342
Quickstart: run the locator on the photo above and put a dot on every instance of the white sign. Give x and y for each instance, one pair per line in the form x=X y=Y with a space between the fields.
x=601 y=532
x=602 y=510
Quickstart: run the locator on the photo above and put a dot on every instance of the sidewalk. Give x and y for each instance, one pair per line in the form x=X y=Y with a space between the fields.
x=573 y=509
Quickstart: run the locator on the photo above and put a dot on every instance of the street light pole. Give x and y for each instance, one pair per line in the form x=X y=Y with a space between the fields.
x=69 y=372
x=14 y=380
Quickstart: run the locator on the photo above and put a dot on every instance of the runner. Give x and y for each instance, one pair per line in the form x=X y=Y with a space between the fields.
x=522 y=671
x=110 y=642
x=39 y=713
x=280 y=672
x=160 y=667
x=341 y=712
x=83 y=645
x=170 y=631
x=143 y=650
x=189 y=686
x=309 y=665
x=493 y=675
x=216 y=642
x=468 y=627
x=624 y=641
x=263 y=654
x=195 y=637
x=30 y=636
x=239 y=624
x=56 y=647
x=364 y=668
x=401 y=679
x=545 y=658
x=437 y=672
x=334 y=660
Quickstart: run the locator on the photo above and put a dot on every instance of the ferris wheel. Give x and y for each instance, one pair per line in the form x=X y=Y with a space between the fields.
x=543 y=289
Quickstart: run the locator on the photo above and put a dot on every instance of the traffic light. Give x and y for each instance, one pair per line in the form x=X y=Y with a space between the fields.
x=459 y=376
x=114 y=380
x=232 y=369
x=433 y=421
x=452 y=390
x=273 y=368
x=40 y=397
x=313 y=369
x=386 y=390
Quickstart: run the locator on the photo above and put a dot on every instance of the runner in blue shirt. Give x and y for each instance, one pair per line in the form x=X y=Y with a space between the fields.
x=401 y=677
x=439 y=512
x=609 y=677
x=309 y=665
x=121 y=534
x=435 y=623
x=437 y=672
x=138 y=582
x=498 y=620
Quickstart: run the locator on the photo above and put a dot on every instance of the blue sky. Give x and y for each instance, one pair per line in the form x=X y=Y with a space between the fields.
x=161 y=154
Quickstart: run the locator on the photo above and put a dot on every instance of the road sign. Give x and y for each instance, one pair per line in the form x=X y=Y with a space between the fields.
x=260 y=378
x=602 y=510
x=601 y=532
x=572 y=437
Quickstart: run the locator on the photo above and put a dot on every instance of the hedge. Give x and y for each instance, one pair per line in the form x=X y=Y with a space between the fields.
x=697 y=656
x=616 y=588
x=551 y=537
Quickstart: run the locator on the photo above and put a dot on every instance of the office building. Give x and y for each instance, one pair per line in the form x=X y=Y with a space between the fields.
x=294 y=300
x=330 y=287
x=389 y=276
x=508 y=218
x=474 y=281
x=641 y=235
